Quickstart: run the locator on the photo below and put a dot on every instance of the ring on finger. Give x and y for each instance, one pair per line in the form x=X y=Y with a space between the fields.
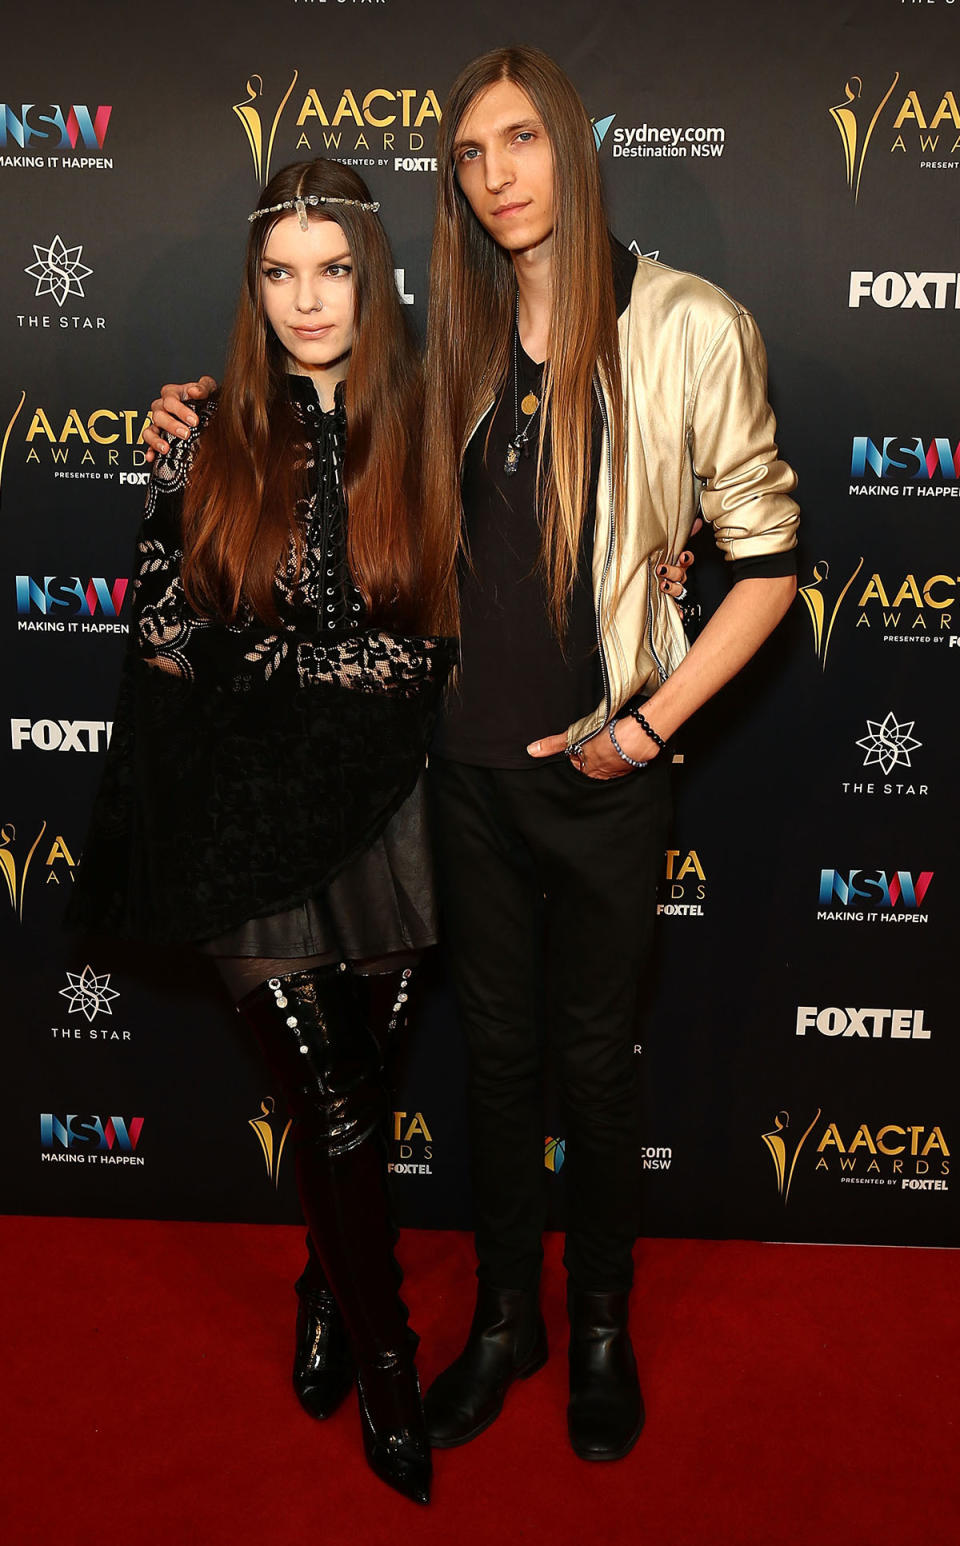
x=681 y=593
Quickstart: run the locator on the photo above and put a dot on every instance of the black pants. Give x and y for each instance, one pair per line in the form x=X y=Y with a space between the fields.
x=548 y=897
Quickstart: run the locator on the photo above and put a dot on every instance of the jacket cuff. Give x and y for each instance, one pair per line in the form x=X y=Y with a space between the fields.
x=763 y=566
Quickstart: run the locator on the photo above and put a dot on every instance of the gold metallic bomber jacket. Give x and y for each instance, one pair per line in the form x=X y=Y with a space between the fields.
x=699 y=439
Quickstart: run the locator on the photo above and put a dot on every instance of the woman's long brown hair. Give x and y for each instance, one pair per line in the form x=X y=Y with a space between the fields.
x=240 y=509
x=473 y=293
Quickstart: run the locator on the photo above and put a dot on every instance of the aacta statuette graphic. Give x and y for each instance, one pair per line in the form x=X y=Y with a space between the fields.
x=265 y=1126
x=815 y=603
x=248 y=113
x=15 y=877
x=849 y=116
x=779 y=1148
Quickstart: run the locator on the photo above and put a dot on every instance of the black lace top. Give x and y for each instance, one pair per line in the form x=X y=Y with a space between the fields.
x=247 y=764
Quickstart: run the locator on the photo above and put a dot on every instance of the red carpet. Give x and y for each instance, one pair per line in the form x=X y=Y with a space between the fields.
x=795 y=1394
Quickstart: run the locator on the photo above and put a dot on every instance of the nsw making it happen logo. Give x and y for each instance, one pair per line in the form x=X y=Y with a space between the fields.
x=873 y=896
x=37 y=134
x=87 y=1139
x=905 y=466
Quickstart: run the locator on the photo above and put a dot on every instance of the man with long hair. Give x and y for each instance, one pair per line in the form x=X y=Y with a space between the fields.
x=581 y=407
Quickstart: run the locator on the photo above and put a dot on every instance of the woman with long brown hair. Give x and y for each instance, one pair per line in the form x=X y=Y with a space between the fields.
x=262 y=794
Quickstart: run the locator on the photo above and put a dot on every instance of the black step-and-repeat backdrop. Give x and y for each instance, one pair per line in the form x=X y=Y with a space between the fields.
x=798 y=1043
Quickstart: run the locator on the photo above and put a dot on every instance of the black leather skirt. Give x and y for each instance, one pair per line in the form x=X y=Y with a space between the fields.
x=382 y=903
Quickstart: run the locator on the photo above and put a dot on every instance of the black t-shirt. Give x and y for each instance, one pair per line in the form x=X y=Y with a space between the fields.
x=517 y=682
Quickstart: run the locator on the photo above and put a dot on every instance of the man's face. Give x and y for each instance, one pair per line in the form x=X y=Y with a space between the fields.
x=504 y=165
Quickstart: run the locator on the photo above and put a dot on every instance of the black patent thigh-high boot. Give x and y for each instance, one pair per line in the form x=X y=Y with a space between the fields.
x=312 y=1029
x=323 y=1372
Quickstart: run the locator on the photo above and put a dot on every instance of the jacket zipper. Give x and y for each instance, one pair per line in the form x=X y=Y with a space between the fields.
x=607 y=559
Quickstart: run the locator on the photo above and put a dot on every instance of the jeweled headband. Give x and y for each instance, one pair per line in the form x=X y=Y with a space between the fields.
x=299 y=205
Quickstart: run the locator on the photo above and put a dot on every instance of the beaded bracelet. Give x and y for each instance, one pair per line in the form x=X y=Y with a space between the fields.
x=636 y=714
x=619 y=749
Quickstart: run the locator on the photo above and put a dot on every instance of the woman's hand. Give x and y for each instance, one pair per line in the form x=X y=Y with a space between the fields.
x=172 y=415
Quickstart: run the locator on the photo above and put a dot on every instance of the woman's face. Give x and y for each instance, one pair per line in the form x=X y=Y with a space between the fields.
x=306 y=282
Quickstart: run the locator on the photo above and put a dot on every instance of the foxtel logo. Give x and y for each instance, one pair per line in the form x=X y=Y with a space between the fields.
x=909 y=289
x=898 y=1024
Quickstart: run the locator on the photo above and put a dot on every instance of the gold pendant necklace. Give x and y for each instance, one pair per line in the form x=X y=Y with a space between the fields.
x=529 y=406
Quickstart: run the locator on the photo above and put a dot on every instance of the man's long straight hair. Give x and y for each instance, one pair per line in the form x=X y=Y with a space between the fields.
x=473 y=294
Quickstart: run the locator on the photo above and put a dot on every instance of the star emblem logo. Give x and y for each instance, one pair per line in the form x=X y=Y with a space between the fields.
x=89 y=994
x=58 y=270
x=888 y=744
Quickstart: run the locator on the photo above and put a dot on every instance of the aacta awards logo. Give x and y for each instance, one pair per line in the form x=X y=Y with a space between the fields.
x=36 y=858
x=36 y=134
x=361 y=128
x=89 y=1140
x=81 y=443
x=896 y=608
x=928 y=130
x=908 y=1156
x=683 y=889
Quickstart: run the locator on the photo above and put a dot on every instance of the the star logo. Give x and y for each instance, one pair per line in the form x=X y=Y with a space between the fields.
x=58 y=270
x=638 y=251
x=89 y=994
x=888 y=744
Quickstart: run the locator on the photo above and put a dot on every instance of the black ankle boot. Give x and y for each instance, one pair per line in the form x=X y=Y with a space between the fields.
x=314 y=1032
x=507 y=1342
x=605 y=1415
x=322 y=1364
